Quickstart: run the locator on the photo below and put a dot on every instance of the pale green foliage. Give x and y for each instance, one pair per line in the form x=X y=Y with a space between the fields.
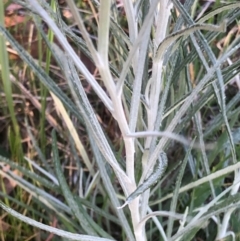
x=149 y=90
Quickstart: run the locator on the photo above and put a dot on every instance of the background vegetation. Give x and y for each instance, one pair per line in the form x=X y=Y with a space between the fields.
x=110 y=103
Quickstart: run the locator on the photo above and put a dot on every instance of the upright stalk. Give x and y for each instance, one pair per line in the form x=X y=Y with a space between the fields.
x=162 y=19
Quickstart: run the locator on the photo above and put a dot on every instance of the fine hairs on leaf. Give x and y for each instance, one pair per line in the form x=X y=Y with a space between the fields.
x=78 y=210
x=176 y=191
x=170 y=39
x=59 y=232
x=113 y=93
x=156 y=175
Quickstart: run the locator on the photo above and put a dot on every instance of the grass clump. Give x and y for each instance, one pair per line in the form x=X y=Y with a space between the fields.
x=124 y=125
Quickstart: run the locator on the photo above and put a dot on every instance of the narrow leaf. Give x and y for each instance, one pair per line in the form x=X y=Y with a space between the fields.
x=59 y=232
x=78 y=210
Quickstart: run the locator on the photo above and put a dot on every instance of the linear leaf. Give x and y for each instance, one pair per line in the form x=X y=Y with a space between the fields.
x=78 y=210
x=59 y=232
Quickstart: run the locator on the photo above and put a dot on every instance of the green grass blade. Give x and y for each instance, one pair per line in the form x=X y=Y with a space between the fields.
x=176 y=191
x=78 y=210
x=28 y=173
x=7 y=87
x=40 y=73
x=50 y=229
x=110 y=190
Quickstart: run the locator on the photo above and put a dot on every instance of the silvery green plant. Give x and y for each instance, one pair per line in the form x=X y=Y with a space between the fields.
x=149 y=92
